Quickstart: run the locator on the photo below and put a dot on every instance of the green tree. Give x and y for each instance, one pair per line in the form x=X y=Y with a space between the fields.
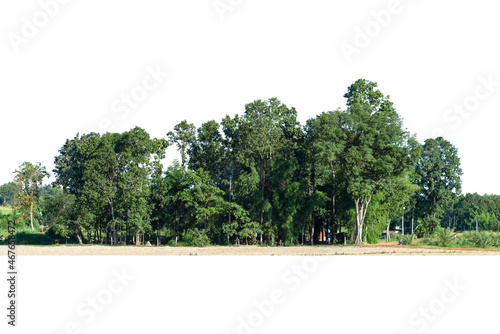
x=208 y=151
x=267 y=131
x=376 y=146
x=29 y=180
x=324 y=142
x=62 y=216
x=183 y=136
x=439 y=179
x=8 y=192
x=135 y=150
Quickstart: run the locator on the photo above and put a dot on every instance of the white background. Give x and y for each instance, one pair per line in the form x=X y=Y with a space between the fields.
x=429 y=57
x=342 y=294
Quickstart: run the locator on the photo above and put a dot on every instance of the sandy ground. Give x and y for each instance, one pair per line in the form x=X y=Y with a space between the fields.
x=379 y=249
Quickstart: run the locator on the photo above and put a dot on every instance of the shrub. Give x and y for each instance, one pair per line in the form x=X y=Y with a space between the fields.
x=445 y=236
x=408 y=239
x=196 y=238
x=483 y=239
x=496 y=239
x=466 y=240
x=33 y=239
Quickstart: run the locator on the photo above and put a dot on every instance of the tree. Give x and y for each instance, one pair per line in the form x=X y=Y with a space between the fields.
x=62 y=215
x=267 y=131
x=439 y=179
x=29 y=179
x=183 y=135
x=376 y=145
x=110 y=177
x=395 y=193
x=8 y=193
x=208 y=151
x=134 y=150
x=324 y=142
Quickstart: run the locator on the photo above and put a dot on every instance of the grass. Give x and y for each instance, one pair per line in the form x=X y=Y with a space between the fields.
x=5 y=210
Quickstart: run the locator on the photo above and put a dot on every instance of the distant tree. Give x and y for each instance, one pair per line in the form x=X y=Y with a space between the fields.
x=29 y=180
x=62 y=215
x=208 y=151
x=395 y=193
x=439 y=179
x=183 y=136
x=46 y=192
x=8 y=193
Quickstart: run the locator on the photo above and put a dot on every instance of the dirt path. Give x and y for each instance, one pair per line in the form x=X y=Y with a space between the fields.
x=379 y=249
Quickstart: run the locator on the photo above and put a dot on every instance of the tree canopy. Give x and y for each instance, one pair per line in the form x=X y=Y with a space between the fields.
x=260 y=177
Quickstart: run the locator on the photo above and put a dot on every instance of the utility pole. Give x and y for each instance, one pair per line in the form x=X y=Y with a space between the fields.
x=412 y=226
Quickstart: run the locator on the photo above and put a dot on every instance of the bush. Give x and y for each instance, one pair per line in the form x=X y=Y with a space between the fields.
x=33 y=239
x=58 y=237
x=483 y=239
x=445 y=236
x=172 y=243
x=466 y=240
x=496 y=239
x=408 y=239
x=196 y=238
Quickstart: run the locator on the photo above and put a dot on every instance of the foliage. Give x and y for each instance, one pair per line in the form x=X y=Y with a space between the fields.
x=261 y=177
x=483 y=239
x=28 y=179
x=408 y=239
x=8 y=193
x=439 y=180
x=196 y=238
x=445 y=236
x=30 y=238
x=376 y=146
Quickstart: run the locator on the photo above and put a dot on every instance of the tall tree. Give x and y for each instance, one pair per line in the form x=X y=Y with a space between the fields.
x=208 y=151
x=266 y=127
x=184 y=135
x=376 y=148
x=324 y=143
x=135 y=150
x=29 y=179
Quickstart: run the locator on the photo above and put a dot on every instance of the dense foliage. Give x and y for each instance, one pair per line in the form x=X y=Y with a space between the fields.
x=257 y=178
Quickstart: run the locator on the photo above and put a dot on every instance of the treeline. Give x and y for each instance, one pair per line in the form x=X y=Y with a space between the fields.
x=8 y=193
x=262 y=178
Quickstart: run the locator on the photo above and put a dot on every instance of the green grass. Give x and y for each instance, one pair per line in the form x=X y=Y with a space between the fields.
x=5 y=210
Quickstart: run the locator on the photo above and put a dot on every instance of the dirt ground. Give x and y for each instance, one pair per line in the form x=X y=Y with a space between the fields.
x=378 y=249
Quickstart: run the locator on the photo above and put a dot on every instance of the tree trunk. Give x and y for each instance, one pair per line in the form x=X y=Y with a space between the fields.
x=263 y=178
x=31 y=215
x=230 y=197
x=115 y=236
x=312 y=233
x=361 y=205
x=157 y=234
x=137 y=239
x=261 y=224
x=387 y=235
x=79 y=237
x=302 y=235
